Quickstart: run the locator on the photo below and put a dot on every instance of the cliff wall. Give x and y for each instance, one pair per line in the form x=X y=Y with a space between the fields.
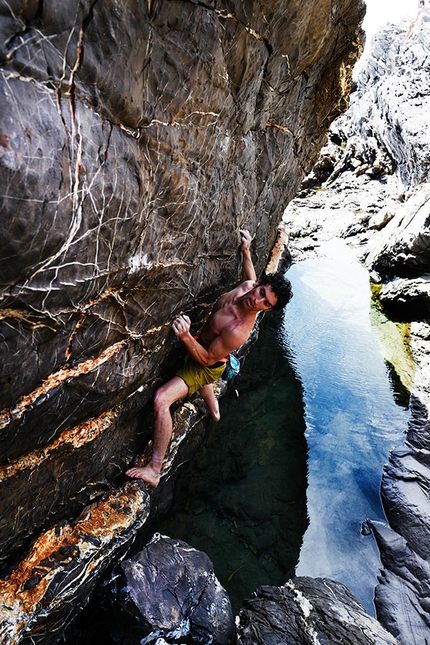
x=371 y=185
x=136 y=138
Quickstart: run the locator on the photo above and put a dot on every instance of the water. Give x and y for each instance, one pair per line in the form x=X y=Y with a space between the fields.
x=282 y=484
x=352 y=420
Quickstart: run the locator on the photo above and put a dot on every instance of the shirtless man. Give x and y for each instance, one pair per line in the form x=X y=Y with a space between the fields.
x=228 y=327
x=423 y=15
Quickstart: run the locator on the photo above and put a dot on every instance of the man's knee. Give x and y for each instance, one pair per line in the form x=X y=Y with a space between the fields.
x=168 y=393
x=161 y=399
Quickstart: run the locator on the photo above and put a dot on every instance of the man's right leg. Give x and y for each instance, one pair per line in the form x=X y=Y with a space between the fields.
x=167 y=394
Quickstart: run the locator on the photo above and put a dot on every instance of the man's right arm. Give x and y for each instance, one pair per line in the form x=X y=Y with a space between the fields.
x=231 y=338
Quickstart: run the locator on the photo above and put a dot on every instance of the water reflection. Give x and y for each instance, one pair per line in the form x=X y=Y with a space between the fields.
x=352 y=420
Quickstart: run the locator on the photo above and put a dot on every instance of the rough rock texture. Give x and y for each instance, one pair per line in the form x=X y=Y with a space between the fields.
x=404 y=587
x=389 y=118
x=168 y=590
x=306 y=611
x=136 y=138
x=53 y=582
x=403 y=247
x=371 y=186
x=407 y=299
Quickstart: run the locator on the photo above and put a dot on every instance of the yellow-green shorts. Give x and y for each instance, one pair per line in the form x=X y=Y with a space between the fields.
x=195 y=375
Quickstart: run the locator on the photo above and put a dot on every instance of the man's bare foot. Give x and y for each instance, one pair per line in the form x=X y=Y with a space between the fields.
x=147 y=473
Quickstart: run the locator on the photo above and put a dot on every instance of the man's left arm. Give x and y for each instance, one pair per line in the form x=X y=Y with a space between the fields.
x=248 y=271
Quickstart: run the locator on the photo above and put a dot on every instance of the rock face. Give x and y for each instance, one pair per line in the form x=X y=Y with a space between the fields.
x=168 y=590
x=371 y=186
x=307 y=611
x=136 y=138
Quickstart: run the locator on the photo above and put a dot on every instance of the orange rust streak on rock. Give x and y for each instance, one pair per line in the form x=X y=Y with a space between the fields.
x=269 y=124
x=108 y=519
x=54 y=380
x=18 y=315
x=76 y=437
x=277 y=252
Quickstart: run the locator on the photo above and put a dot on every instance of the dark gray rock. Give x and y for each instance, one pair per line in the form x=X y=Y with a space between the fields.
x=405 y=576
x=402 y=248
x=306 y=611
x=407 y=299
x=169 y=591
x=136 y=138
x=405 y=496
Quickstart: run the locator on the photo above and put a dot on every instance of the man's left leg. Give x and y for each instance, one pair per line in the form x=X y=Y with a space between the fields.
x=169 y=393
x=208 y=395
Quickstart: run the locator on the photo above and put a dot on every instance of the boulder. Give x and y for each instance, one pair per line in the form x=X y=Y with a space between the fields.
x=306 y=611
x=402 y=248
x=403 y=591
x=168 y=590
x=407 y=299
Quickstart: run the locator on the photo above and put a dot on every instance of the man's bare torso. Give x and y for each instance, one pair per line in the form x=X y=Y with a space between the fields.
x=228 y=316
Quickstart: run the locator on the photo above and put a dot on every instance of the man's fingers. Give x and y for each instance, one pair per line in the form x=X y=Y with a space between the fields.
x=181 y=324
x=245 y=235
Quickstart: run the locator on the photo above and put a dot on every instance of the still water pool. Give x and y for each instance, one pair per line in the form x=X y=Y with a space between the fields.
x=283 y=482
x=352 y=419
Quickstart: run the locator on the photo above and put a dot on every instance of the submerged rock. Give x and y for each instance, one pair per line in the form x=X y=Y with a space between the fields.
x=168 y=591
x=306 y=611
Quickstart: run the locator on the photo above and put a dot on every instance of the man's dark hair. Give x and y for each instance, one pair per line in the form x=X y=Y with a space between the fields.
x=281 y=287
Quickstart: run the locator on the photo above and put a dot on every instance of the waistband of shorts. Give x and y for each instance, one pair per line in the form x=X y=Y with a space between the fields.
x=218 y=364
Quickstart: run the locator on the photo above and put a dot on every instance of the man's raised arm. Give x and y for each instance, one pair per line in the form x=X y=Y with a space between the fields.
x=248 y=271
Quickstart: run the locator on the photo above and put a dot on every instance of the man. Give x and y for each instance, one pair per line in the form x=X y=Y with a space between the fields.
x=423 y=15
x=228 y=327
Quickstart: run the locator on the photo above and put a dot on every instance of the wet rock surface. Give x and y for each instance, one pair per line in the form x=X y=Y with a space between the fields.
x=405 y=576
x=168 y=590
x=306 y=611
x=371 y=187
x=135 y=140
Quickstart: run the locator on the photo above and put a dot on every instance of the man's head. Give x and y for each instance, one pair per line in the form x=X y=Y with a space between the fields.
x=280 y=286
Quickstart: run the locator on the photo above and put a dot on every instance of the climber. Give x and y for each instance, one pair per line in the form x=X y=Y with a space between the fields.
x=227 y=328
x=423 y=15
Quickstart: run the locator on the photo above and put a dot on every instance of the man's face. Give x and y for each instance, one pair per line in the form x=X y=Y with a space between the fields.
x=260 y=298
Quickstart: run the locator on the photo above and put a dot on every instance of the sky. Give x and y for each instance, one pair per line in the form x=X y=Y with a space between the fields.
x=378 y=13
